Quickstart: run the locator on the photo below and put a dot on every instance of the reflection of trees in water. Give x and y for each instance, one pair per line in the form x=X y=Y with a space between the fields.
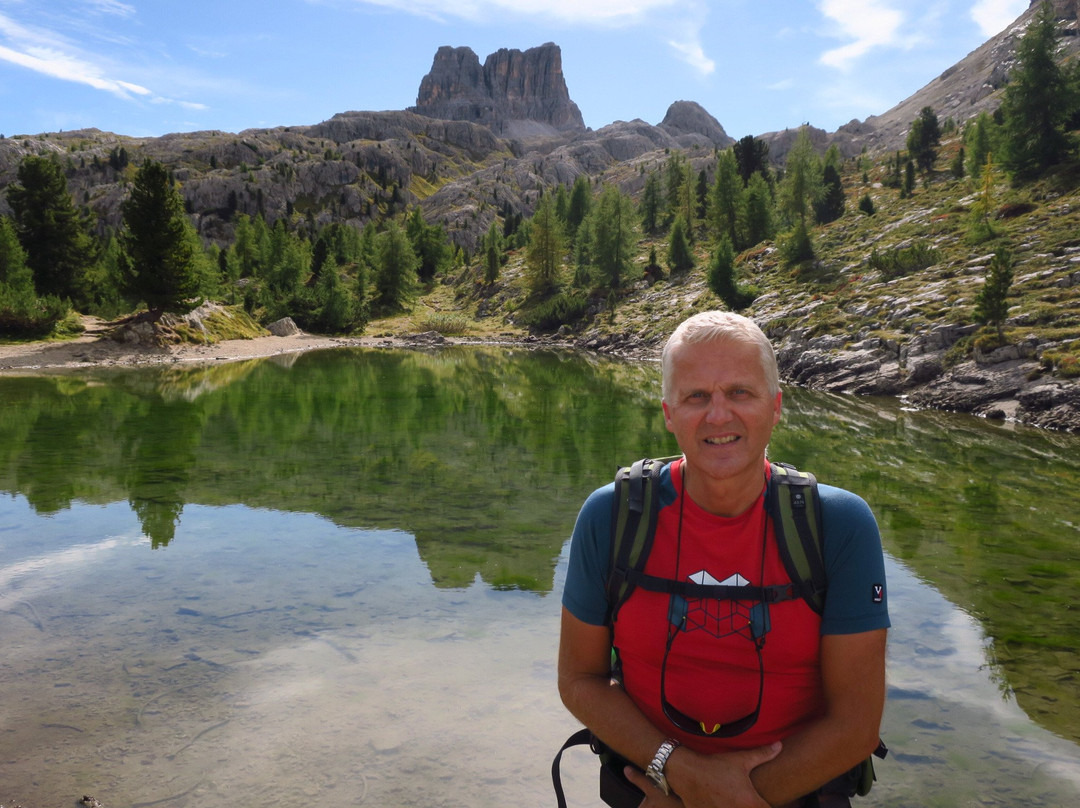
x=982 y=511
x=160 y=450
x=485 y=456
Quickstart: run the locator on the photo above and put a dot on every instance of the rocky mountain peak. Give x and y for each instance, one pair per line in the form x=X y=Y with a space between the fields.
x=690 y=118
x=515 y=93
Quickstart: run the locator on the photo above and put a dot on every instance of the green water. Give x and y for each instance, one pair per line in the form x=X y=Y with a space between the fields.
x=323 y=577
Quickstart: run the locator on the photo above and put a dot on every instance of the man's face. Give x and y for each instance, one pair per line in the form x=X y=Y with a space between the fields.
x=720 y=410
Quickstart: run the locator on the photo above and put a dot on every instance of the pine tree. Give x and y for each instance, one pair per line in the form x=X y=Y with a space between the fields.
x=726 y=202
x=923 y=138
x=59 y=249
x=544 y=254
x=613 y=232
x=1037 y=100
x=580 y=203
x=15 y=273
x=650 y=205
x=720 y=276
x=679 y=256
x=831 y=205
x=978 y=143
x=396 y=282
x=492 y=248
x=991 y=302
x=430 y=244
x=801 y=187
x=760 y=224
x=674 y=179
x=161 y=248
x=752 y=156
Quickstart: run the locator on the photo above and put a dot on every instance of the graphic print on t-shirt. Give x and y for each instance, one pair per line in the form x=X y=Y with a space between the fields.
x=720 y=618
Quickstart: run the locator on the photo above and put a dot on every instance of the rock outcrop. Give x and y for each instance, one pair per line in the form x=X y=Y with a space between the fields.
x=517 y=94
x=691 y=125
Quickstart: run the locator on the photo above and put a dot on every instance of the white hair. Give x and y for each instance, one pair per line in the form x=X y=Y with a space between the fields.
x=720 y=327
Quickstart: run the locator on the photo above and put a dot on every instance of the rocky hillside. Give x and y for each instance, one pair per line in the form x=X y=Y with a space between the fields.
x=484 y=140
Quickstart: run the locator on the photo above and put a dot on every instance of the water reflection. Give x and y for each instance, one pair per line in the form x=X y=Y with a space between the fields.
x=280 y=497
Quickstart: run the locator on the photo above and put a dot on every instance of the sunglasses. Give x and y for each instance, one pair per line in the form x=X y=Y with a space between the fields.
x=693 y=726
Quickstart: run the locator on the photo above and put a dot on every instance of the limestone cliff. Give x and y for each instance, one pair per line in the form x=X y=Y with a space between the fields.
x=516 y=93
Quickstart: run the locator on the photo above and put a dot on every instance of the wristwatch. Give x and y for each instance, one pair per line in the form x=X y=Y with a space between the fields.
x=655 y=771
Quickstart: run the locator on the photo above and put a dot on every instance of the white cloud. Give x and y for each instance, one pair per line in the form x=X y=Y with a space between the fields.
x=681 y=19
x=869 y=23
x=993 y=16
x=111 y=7
x=48 y=54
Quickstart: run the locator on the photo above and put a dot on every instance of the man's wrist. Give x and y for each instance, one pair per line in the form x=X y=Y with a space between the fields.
x=655 y=770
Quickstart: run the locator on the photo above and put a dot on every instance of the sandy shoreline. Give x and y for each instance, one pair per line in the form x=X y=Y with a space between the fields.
x=94 y=350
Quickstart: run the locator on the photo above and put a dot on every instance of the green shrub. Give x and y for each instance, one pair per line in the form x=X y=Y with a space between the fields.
x=903 y=260
x=446 y=323
x=24 y=314
x=560 y=309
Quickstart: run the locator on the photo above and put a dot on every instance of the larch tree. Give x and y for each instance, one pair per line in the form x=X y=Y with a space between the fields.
x=1037 y=101
x=544 y=254
x=396 y=281
x=614 y=232
x=726 y=202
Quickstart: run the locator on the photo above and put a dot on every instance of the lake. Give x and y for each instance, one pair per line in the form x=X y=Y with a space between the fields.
x=333 y=578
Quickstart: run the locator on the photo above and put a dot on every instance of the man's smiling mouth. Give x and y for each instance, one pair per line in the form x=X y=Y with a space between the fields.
x=722 y=441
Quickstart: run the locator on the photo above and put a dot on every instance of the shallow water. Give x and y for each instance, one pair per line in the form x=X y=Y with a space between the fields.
x=336 y=580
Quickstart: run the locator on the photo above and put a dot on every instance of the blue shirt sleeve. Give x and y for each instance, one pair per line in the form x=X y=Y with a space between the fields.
x=584 y=594
x=857 y=598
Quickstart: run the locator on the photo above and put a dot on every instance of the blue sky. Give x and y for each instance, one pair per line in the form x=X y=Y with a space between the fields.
x=149 y=68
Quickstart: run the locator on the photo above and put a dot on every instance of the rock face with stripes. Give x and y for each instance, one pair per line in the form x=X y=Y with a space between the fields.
x=515 y=93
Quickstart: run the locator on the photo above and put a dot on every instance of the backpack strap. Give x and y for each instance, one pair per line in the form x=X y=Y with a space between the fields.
x=795 y=510
x=691 y=589
x=579 y=738
x=635 y=508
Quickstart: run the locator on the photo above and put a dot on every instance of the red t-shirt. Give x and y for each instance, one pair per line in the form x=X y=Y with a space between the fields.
x=712 y=669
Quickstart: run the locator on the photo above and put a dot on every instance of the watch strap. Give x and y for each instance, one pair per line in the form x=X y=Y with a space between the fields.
x=655 y=770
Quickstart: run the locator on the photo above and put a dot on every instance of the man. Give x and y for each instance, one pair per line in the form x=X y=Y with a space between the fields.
x=818 y=680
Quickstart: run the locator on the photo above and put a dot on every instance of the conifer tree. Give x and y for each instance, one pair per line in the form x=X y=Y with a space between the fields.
x=752 y=156
x=163 y=255
x=613 y=230
x=991 y=302
x=720 y=276
x=674 y=179
x=831 y=205
x=1037 y=100
x=679 y=256
x=801 y=187
x=492 y=248
x=580 y=203
x=923 y=138
x=978 y=143
x=650 y=205
x=59 y=249
x=396 y=282
x=15 y=273
x=544 y=254
x=760 y=224
x=727 y=204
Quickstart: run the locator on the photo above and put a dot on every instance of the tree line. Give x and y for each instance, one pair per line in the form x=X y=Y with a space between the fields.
x=581 y=245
